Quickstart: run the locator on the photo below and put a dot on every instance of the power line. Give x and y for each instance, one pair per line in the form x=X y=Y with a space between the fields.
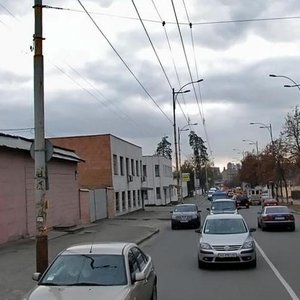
x=181 y=23
x=131 y=72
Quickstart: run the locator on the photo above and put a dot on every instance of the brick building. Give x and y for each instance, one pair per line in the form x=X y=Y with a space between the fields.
x=112 y=165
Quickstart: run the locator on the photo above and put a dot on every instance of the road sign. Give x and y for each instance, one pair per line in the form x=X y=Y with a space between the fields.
x=185 y=177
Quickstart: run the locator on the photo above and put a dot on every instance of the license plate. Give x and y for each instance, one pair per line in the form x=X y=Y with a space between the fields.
x=227 y=254
x=279 y=218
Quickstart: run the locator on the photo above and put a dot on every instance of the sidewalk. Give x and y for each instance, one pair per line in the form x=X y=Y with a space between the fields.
x=17 y=259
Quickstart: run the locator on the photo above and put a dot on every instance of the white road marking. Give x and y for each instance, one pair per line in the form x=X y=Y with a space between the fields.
x=276 y=272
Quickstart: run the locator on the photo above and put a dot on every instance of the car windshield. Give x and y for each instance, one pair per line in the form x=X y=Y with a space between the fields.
x=185 y=208
x=276 y=210
x=223 y=206
x=86 y=270
x=225 y=226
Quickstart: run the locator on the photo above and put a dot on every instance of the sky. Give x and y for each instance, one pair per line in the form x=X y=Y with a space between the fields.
x=111 y=66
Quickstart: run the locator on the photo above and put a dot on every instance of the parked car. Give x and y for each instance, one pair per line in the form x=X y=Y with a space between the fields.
x=223 y=206
x=275 y=217
x=219 y=195
x=226 y=238
x=242 y=201
x=98 y=271
x=269 y=202
x=185 y=215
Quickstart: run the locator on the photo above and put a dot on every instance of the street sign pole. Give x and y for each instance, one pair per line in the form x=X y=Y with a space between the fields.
x=40 y=175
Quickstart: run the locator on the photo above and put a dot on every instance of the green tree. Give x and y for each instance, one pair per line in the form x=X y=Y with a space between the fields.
x=200 y=157
x=164 y=148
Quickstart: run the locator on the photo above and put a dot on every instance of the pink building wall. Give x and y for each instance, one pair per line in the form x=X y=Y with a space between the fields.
x=17 y=194
x=84 y=198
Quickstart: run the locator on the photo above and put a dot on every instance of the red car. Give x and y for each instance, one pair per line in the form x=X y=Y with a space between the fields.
x=269 y=202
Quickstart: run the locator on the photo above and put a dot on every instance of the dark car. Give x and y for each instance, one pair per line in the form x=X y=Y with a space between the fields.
x=275 y=217
x=270 y=202
x=242 y=201
x=185 y=215
x=219 y=195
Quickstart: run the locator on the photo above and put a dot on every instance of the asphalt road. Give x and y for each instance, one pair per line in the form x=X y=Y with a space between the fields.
x=276 y=277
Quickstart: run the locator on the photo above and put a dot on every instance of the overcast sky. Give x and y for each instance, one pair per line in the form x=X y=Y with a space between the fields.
x=112 y=70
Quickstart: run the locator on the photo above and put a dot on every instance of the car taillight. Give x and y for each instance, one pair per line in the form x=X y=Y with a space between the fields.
x=291 y=217
x=267 y=218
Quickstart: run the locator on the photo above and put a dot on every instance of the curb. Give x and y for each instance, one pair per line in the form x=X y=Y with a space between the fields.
x=140 y=241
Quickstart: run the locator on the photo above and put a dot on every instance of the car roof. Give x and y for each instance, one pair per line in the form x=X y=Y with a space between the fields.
x=224 y=216
x=114 y=248
x=186 y=204
x=223 y=200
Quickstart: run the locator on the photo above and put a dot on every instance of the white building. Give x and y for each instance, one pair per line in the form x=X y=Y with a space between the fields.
x=157 y=181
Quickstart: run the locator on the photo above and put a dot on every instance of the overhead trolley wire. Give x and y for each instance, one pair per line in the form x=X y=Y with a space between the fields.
x=197 y=73
x=125 y=64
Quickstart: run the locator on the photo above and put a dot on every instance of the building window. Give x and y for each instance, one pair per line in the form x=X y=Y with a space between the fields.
x=156 y=170
x=127 y=166
x=137 y=168
x=139 y=197
x=122 y=165
x=132 y=167
x=117 y=201
x=144 y=170
x=123 y=201
x=158 y=195
x=115 y=161
x=134 y=199
x=129 y=199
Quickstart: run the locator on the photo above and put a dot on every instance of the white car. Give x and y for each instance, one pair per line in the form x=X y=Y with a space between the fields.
x=118 y=271
x=223 y=206
x=226 y=239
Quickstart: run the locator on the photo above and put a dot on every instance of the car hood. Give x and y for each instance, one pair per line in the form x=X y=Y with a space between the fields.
x=77 y=292
x=224 y=239
x=225 y=211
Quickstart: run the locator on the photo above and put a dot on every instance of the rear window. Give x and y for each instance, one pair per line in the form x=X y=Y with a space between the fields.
x=275 y=210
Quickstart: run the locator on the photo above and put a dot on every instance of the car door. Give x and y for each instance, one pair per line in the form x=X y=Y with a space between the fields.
x=146 y=267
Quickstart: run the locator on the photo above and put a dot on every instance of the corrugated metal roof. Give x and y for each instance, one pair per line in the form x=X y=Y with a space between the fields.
x=21 y=143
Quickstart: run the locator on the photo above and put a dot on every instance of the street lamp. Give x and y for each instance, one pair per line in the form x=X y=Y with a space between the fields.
x=253 y=143
x=175 y=94
x=239 y=151
x=268 y=127
x=179 y=152
x=295 y=84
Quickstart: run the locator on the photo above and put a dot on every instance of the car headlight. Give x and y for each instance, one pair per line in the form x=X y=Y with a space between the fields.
x=174 y=217
x=249 y=244
x=194 y=216
x=205 y=246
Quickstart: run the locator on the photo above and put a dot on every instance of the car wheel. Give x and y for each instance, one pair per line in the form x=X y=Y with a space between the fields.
x=154 y=292
x=263 y=228
x=173 y=226
x=292 y=227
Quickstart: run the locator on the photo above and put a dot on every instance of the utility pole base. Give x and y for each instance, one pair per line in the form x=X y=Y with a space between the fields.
x=41 y=253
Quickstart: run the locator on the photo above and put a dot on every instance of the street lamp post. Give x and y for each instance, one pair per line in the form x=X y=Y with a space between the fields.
x=295 y=84
x=179 y=152
x=253 y=143
x=175 y=94
x=268 y=127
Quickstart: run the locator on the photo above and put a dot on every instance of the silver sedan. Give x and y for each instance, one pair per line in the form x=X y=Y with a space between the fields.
x=226 y=238
x=119 y=271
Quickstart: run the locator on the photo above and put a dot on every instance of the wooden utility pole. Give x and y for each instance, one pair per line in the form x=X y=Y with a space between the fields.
x=40 y=175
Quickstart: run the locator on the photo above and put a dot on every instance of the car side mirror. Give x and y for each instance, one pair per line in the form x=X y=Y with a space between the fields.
x=208 y=208
x=171 y=211
x=252 y=229
x=36 y=276
x=199 y=210
x=139 y=276
x=198 y=231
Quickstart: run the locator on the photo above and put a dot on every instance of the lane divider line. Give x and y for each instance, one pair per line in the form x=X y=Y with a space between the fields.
x=276 y=272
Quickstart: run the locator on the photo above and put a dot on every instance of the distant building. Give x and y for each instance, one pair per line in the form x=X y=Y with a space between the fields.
x=17 y=193
x=232 y=171
x=157 y=182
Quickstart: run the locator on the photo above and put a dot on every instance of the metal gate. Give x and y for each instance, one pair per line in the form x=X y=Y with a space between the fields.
x=98 y=204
